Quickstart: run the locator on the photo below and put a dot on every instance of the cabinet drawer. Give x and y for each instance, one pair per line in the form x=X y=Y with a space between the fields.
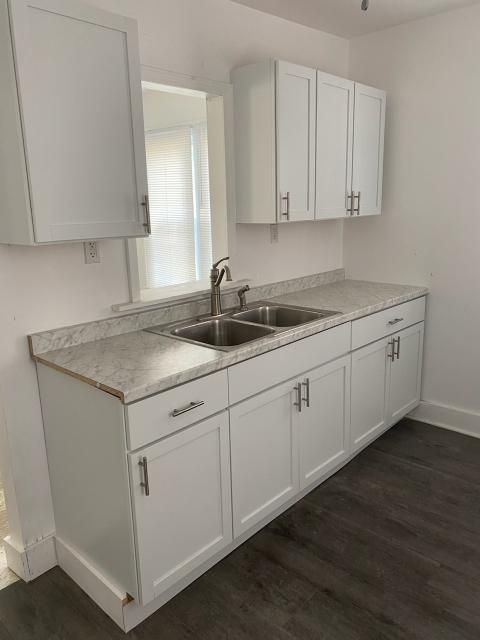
x=253 y=376
x=170 y=411
x=387 y=322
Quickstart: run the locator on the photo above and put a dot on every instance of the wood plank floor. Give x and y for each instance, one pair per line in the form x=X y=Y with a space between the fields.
x=387 y=549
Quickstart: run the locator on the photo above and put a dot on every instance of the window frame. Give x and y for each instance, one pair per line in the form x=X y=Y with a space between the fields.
x=222 y=184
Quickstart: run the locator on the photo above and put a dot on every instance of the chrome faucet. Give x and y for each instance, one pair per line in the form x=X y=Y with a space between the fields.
x=242 y=298
x=216 y=277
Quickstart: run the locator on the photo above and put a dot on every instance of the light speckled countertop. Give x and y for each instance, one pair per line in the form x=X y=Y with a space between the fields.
x=135 y=365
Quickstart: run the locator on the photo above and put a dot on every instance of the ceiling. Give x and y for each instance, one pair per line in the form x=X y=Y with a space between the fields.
x=345 y=18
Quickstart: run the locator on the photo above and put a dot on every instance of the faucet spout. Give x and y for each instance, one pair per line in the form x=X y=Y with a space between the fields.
x=216 y=278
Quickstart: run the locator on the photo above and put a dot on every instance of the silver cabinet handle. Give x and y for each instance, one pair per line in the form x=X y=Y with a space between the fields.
x=190 y=407
x=391 y=355
x=357 y=210
x=349 y=206
x=286 y=199
x=148 y=223
x=143 y=462
x=397 y=351
x=298 y=403
x=395 y=321
x=306 y=399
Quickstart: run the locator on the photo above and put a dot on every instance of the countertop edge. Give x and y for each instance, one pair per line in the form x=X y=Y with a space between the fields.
x=237 y=356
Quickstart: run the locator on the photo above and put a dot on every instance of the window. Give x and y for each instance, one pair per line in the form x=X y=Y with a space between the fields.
x=188 y=141
x=180 y=247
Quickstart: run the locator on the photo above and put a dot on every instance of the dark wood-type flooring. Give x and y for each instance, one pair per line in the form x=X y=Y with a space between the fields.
x=387 y=549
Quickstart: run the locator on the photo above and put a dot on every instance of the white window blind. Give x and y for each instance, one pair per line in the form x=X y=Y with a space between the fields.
x=180 y=247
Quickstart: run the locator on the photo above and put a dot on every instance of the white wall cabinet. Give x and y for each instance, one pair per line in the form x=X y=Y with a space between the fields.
x=264 y=450
x=72 y=121
x=335 y=107
x=309 y=145
x=324 y=421
x=296 y=122
x=183 y=514
x=386 y=381
x=368 y=144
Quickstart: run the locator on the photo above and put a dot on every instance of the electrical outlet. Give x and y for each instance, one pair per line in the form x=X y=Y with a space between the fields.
x=92 y=254
x=273 y=233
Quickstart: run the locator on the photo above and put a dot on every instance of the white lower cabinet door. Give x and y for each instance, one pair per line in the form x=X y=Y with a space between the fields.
x=324 y=420
x=406 y=369
x=264 y=455
x=370 y=381
x=182 y=503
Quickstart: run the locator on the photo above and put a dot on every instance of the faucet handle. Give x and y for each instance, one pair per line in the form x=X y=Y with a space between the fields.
x=215 y=264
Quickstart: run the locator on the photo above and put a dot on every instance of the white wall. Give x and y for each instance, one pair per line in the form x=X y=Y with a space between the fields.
x=41 y=288
x=430 y=231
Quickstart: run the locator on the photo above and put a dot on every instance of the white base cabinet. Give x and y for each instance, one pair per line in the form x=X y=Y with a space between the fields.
x=181 y=503
x=264 y=449
x=173 y=488
x=405 y=373
x=370 y=381
x=386 y=381
x=324 y=422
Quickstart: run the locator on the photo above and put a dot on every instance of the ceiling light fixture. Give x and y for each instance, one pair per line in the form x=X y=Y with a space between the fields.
x=365 y=4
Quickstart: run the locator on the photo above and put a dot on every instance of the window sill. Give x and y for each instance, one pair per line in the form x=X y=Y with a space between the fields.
x=166 y=296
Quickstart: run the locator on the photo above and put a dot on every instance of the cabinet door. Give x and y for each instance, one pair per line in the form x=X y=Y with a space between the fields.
x=264 y=455
x=296 y=100
x=325 y=420
x=370 y=381
x=406 y=369
x=78 y=75
x=368 y=139
x=335 y=97
x=186 y=518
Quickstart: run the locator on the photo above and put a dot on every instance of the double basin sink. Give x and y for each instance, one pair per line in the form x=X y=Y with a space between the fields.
x=235 y=328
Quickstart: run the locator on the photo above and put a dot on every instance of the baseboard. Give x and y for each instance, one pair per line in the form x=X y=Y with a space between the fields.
x=30 y=563
x=450 y=418
x=106 y=595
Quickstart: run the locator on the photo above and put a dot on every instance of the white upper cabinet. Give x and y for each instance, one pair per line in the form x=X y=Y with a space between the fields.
x=77 y=90
x=296 y=124
x=368 y=142
x=309 y=145
x=335 y=102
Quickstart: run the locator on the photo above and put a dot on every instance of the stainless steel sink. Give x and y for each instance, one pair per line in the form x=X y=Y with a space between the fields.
x=221 y=333
x=235 y=328
x=280 y=316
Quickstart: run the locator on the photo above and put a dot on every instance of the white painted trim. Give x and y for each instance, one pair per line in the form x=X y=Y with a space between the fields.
x=30 y=563
x=16 y=558
x=108 y=597
x=466 y=422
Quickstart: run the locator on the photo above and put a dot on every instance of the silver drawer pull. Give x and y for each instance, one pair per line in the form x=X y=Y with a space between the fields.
x=190 y=407
x=395 y=321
